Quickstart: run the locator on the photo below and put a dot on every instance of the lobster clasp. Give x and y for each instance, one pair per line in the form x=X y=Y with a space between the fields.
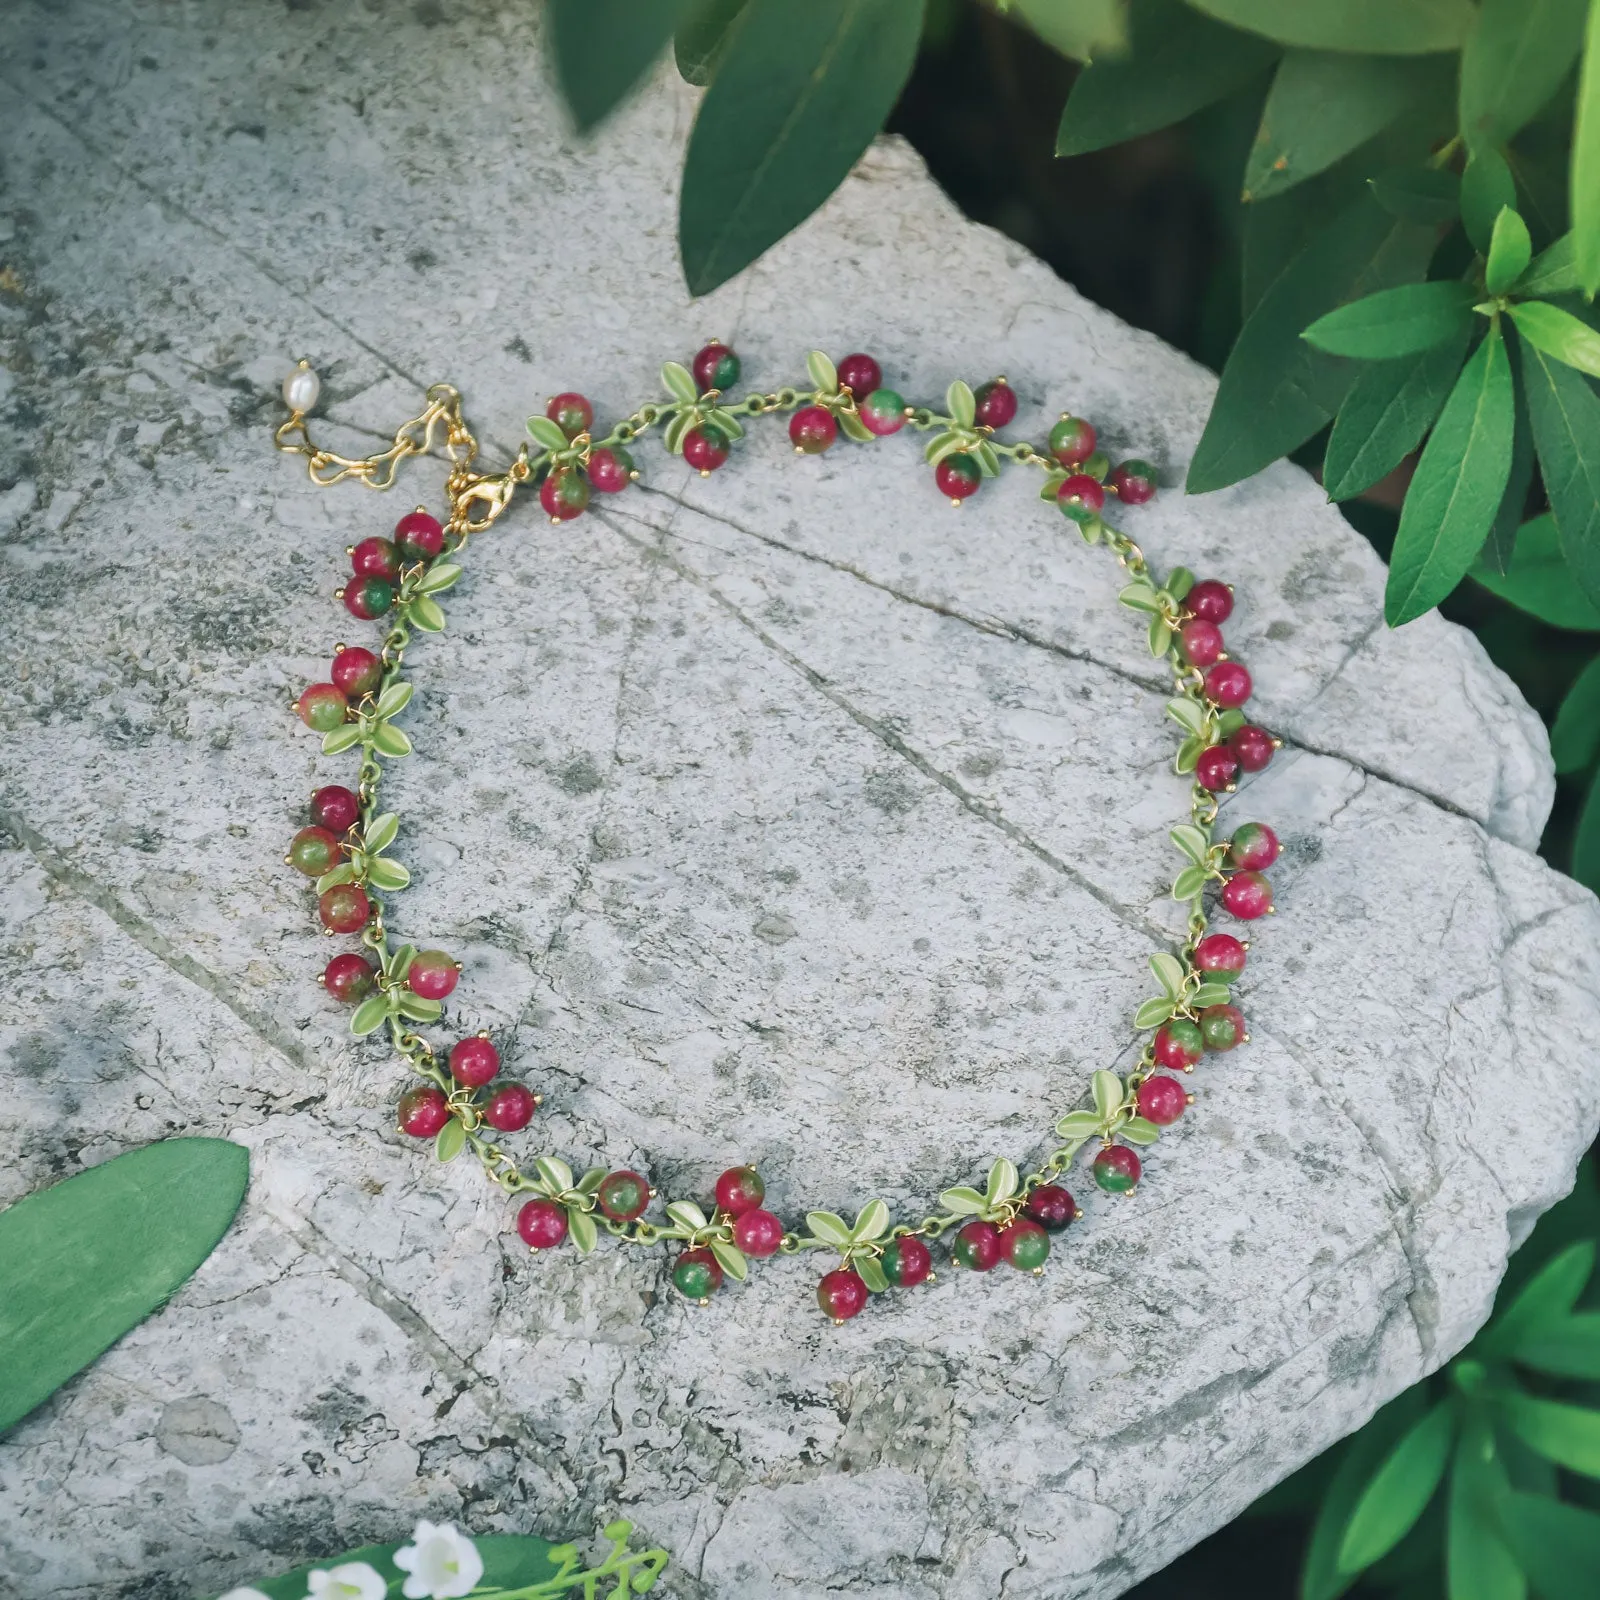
x=480 y=497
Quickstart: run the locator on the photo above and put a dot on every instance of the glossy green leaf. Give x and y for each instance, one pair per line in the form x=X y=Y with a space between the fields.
x=332 y=880
x=1487 y=188
x=1539 y=581
x=546 y=434
x=1276 y=390
x=961 y=404
x=1152 y=1013
x=1552 y=271
x=1566 y=1348
x=963 y=1200
x=1180 y=61
x=1586 y=843
x=1584 y=171
x=1510 y=251
x=418 y=1008
x=603 y=48
x=824 y=375
x=440 y=576
x=798 y=95
x=1108 y=1094
x=1567 y=1435
x=1002 y=1183
x=731 y=1259
x=389 y=877
x=1566 y=432
x=1077 y=1125
x=510 y=1561
x=1082 y=30
x=1137 y=1130
x=679 y=382
x=450 y=1140
x=370 y=1015
x=94 y=1255
x=1396 y=322
x=1557 y=1545
x=831 y=1229
x=1547 y=1296
x=1456 y=491
x=851 y=425
x=1575 y=735
x=1322 y=105
x=1192 y=841
x=1158 y=636
x=871 y=1273
x=1398 y=1491
x=586 y=1235
x=1366 y=27
x=1558 y=333
x=1188 y=756
x=1515 y=56
x=1188 y=715
x=337 y=740
x=1168 y=971
x=873 y=1221
x=1190 y=882
x=390 y=741
x=381 y=832
x=1419 y=194
x=1211 y=994
x=557 y=1175
x=399 y=962
x=425 y=613
x=1500 y=545
x=701 y=36
x=1179 y=582
x=988 y=459
x=1478 y=1563
x=1389 y=408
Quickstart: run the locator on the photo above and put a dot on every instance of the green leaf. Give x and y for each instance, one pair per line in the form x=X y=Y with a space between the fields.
x=1399 y=1491
x=960 y=402
x=1211 y=994
x=332 y=880
x=872 y=1223
x=1188 y=714
x=1158 y=636
x=1188 y=756
x=679 y=382
x=1179 y=62
x=701 y=37
x=798 y=95
x=731 y=1258
x=1367 y=27
x=1108 y=1094
x=603 y=48
x=380 y=833
x=1168 y=971
x=1192 y=841
x=1276 y=390
x=1137 y=1130
x=1566 y=1435
x=988 y=459
x=450 y=1140
x=1322 y=105
x=1429 y=195
x=1002 y=1182
x=1569 y=1348
x=871 y=1273
x=1553 y=271
x=964 y=1201
x=387 y=876
x=1179 y=582
x=546 y=434
x=1396 y=322
x=1152 y=1013
x=1487 y=188
x=337 y=740
x=726 y=423
x=1457 y=488
x=942 y=444
x=1553 y=1543
x=1566 y=432
x=824 y=375
x=1079 y=29
x=1584 y=172
x=1140 y=597
x=1515 y=56
x=1558 y=333
x=441 y=576
x=510 y=1561
x=854 y=428
x=1539 y=581
x=1477 y=1561
x=1389 y=408
x=370 y=1015
x=1586 y=845
x=1546 y=1297
x=1510 y=251
x=1575 y=735
x=1500 y=545
x=829 y=1228
x=399 y=962
x=585 y=1234
x=88 y=1258
x=1078 y=1125
x=425 y=613
x=419 y=1008
x=558 y=1176
x=391 y=742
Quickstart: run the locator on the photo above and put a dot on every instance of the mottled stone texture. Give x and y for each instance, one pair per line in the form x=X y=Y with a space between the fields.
x=786 y=816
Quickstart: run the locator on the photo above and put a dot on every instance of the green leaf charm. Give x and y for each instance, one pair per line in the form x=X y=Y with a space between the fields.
x=1108 y=1093
x=418 y=1008
x=872 y=1223
x=585 y=1234
x=730 y=1258
x=442 y=575
x=546 y=434
x=94 y=1255
x=370 y=1015
x=338 y=740
x=1397 y=322
x=1138 y=1130
x=1002 y=1183
x=557 y=1178
x=1192 y=841
x=391 y=742
x=1168 y=971
x=1189 y=883
x=962 y=405
x=425 y=613
x=679 y=382
x=380 y=833
x=1158 y=636
x=827 y=1227
x=1077 y=1125
x=450 y=1140
x=824 y=375
x=870 y=1272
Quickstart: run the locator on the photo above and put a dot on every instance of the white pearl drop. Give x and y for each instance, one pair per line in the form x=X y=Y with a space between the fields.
x=301 y=388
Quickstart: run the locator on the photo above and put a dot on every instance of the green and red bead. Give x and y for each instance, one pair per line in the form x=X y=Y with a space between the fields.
x=1025 y=1244
x=335 y=808
x=314 y=851
x=570 y=412
x=433 y=974
x=1222 y=1027
x=1072 y=441
x=994 y=404
x=419 y=536
x=321 y=707
x=1162 y=1100
x=860 y=374
x=542 y=1224
x=1210 y=599
x=510 y=1108
x=758 y=1233
x=474 y=1062
x=564 y=494
x=1254 y=846
x=1216 y=768
x=623 y=1195
x=906 y=1262
x=376 y=558
x=610 y=470
x=1247 y=895
x=367 y=598
x=715 y=366
x=345 y=908
x=739 y=1190
x=842 y=1295
x=1052 y=1207
x=1080 y=497
x=1220 y=956
x=1117 y=1169
x=976 y=1246
x=958 y=477
x=356 y=672
x=697 y=1275
x=350 y=978
x=812 y=429
x=1253 y=747
x=705 y=449
x=1178 y=1044
x=1134 y=482
x=423 y=1112
x=883 y=412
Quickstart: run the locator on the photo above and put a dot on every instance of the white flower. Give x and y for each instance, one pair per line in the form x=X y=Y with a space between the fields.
x=443 y=1563
x=352 y=1580
x=242 y=1594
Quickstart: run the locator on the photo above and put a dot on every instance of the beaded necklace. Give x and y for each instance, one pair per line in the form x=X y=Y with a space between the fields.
x=461 y=1101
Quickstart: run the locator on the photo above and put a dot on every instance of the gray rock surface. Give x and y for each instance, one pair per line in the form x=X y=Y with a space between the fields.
x=786 y=816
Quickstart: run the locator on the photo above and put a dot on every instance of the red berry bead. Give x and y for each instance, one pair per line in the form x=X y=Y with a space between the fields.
x=1211 y=600
x=860 y=374
x=474 y=1062
x=1202 y=642
x=423 y=1111
x=376 y=558
x=1228 y=684
x=812 y=429
x=564 y=494
x=697 y=1275
x=542 y=1224
x=1052 y=1207
x=906 y=1262
x=1081 y=497
x=958 y=476
x=314 y=851
x=1222 y=1027
x=349 y=978
x=758 y=1233
x=321 y=707
x=842 y=1295
x=1117 y=1169
x=996 y=403
x=571 y=413
x=622 y=1196
x=1216 y=768
x=1247 y=895
x=739 y=1190
x=1178 y=1044
x=1254 y=846
x=510 y=1108
x=433 y=974
x=610 y=471
x=705 y=449
x=367 y=597
x=1072 y=441
x=976 y=1246
x=1220 y=956
x=336 y=808
x=1134 y=481
x=883 y=412
x=715 y=367
x=356 y=672
x=419 y=536
x=1025 y=1244
x=1253 y=746
x=1162 y=1100
x=344 y=909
